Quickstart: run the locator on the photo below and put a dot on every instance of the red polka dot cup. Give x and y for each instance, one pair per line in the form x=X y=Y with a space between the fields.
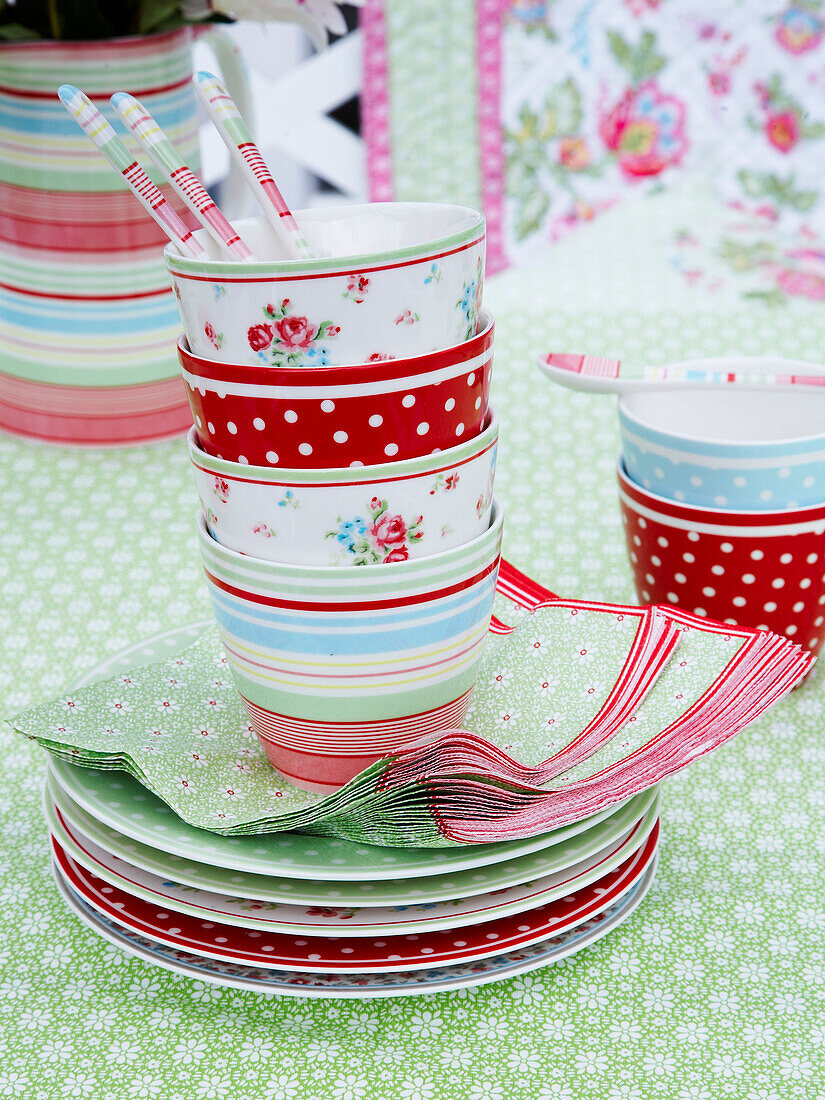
x=756 y=569
x=361 y=415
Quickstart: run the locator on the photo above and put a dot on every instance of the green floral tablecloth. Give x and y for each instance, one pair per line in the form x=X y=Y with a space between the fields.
x=714 y=989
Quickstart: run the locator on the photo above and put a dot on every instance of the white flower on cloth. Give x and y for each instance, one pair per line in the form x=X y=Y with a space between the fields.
x=546 y=685
x=315 y=16
x=502 y=679
x=185 y=784
x=509 y=717
x=584 y=652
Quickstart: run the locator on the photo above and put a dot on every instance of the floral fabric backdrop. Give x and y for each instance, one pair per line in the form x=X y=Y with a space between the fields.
x=602 y=98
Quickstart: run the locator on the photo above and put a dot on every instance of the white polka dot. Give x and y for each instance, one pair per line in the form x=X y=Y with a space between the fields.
x=740 y=481
x=290 y=416
x=662 y=541
x=637 y=541
x=449 y=404
x=721 y=501
x=708 y=591
x=459 y=428
x=700 y=611
x=790 y=630
x=770 y=606
x=211 y=427
x=305 y=448
x=258 y=424
x=271 y=456
x=357 y=462
x=408 y=401
x=244 y=461
x=785 y=558
x=805 y=582
x=327 y=406
x=478 y=404
x=471 y=378
x=645 y=595
x=391 y=449
x=777 y=583
x=726 y=547
x=672 y=597
x=819 y=620
x=650 y=578
x=659 y=472
x=692 y=536
x=808 y=482
x=340 y=437
x=757 y=555
x=695 y=481
x=748 y=578
x=423 y=428
x=688 y=557
x=739 y=601
x=799 y=606
x=766 y=494
x=680 y=578
x=198 y=421
x=811 y=558
x=717 y=570
x=785 y=471
x=642 y=522
x=657 y=561
x=678 y=495
x=376 y=420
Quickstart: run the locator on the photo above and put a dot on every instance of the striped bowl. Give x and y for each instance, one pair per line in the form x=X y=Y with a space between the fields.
x=339 y=666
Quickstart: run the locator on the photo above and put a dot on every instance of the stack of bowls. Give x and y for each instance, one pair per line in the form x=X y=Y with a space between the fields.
x=723 y=499
x=344 y=454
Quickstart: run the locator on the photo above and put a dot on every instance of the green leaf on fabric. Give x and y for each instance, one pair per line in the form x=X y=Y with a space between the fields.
x=641 y=61
x=15 y=32
x=532 y=208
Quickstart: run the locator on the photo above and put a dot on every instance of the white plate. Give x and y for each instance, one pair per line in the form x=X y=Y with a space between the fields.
x=349 y=922
x=398 y=984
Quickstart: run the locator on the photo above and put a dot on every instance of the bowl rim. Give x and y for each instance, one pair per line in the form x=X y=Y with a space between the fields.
x=343 y=373
x=340 y=476
x=335 y=265
x=720 y=517
x=667 y=437
x=272 y=569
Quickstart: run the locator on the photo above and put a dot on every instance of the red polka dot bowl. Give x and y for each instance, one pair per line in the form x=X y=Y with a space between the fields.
x=758 y=569
x=313 y=418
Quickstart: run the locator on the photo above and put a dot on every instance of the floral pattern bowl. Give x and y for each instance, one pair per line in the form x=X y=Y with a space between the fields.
x=339 y=666
x=350 y=515
x=402 y=279
x=749 y=449
x=314 y=417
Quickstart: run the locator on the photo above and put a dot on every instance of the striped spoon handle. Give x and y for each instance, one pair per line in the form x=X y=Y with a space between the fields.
x=137 y=119
x=224 y=113
x=95 y=126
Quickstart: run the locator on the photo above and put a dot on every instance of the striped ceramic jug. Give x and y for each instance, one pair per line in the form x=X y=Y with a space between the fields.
x=88 y=322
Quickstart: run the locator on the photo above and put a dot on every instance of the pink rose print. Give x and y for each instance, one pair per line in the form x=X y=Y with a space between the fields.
x=221 y=489
x=214 y=338
x=782 y=130
x=407 y=318
x=259 y=337
x=400 y=553
x=357 y=288
x=574 y=155
x=645 y=130
x=803 y=284
x=799 y=29
x=379 y=357
x=295 y=332
x=389 y=531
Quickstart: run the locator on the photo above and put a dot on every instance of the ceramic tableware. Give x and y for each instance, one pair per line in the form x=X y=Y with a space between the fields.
x=257 y=913
x=399 y=279
x=338 y=666
x=365 y=413
x=750 y=450
x=346 y=954
x=350 y=516
x=361 y=986
x=760 y=569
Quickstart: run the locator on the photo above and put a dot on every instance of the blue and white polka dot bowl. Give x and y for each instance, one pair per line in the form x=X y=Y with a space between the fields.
x=745 y=449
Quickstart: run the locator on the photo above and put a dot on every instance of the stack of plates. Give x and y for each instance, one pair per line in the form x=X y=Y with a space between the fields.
x=325 y=917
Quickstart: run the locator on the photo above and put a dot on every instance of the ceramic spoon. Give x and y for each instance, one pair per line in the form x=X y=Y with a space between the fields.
x=600 y=374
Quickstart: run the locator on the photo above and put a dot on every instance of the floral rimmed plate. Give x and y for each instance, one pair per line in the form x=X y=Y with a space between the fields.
x=364 y=986
x=348 y=921
x=344 y=954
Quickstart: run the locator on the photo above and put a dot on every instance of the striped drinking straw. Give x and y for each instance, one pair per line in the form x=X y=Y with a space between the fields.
x=136 y=118
x=95 y=126
x=223 y=111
